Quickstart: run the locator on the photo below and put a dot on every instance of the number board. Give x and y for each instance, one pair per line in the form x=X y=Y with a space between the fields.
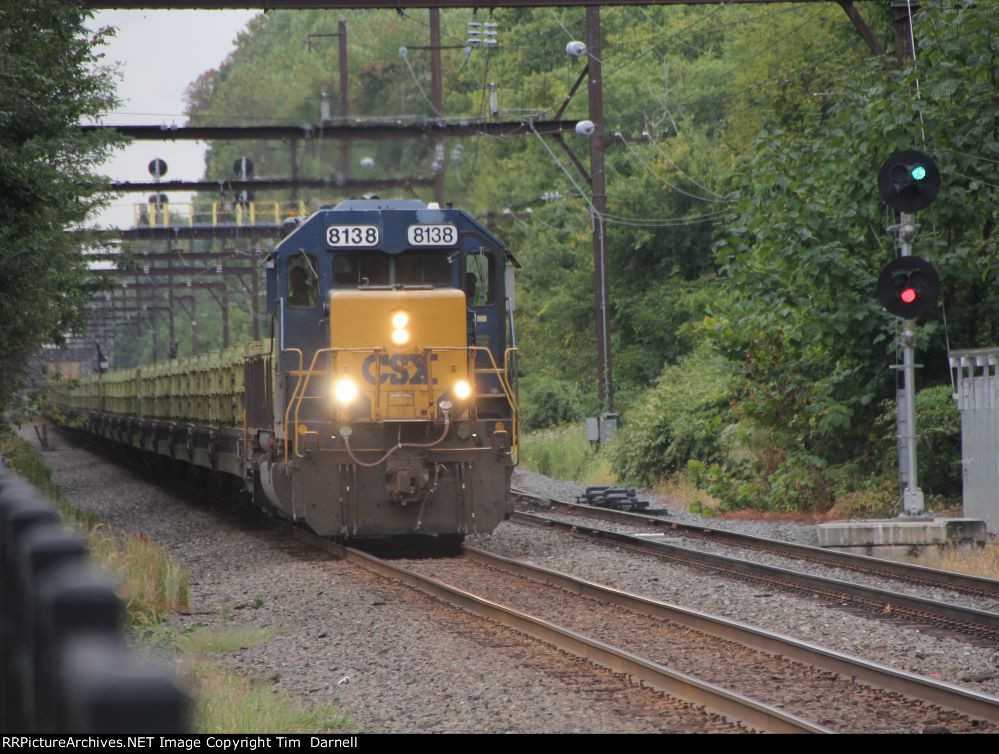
x=352 y=235
x=433 y=235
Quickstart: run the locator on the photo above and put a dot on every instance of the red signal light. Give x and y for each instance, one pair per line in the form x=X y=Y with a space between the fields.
x=908 y=295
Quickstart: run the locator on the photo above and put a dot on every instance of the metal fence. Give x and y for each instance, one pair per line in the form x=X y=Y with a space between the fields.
x=64 y=666
x=976 y=384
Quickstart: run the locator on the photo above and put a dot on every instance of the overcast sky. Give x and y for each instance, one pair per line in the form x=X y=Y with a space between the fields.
x=160 y=52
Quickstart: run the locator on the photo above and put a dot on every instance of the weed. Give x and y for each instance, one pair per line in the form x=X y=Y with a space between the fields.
x=977 y=561
x=225 y=703
x=565 y=453
x=226 y=639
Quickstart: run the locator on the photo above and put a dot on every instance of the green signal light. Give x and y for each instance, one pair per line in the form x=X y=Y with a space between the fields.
x=918 y=173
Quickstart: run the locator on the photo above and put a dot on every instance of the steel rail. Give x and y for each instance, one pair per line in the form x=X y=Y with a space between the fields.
x=732 y=706
x=959 y=582
x=962 y=700
x=965 y=620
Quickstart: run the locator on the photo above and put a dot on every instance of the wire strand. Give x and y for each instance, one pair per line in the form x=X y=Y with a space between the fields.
x=651 y=170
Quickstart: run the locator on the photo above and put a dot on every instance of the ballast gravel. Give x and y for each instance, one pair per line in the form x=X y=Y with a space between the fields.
x=890 y=643
x=390 y=658
x=834 y=701
x=753 y=555
x=542 y=486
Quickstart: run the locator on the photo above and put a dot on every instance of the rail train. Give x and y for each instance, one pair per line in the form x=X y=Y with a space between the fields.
x=384 y=402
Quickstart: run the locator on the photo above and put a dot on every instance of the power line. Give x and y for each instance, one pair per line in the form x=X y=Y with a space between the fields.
x=404 y=54
x=666 y=157
x=661 y=43
x=658 y=177
x=972 y=156
x=622 y=219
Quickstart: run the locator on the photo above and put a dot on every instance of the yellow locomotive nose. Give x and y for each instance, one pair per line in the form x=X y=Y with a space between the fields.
x=403 y=349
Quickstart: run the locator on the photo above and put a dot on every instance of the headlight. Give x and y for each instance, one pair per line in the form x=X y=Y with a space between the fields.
x=462 y=390
x=400 y=337
x=345 y=390
x=400 y=320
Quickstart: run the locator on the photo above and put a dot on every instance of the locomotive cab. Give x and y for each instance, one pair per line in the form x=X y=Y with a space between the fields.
x=394 y=406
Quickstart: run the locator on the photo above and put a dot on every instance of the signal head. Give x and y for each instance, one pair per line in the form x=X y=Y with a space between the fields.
x=908 y=287
x=908 y=181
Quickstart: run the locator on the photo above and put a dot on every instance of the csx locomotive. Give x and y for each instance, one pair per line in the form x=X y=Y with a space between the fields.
x=384 y=402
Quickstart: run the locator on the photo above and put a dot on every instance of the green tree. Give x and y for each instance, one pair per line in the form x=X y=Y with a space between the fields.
x=52 y=78
x=802 y=250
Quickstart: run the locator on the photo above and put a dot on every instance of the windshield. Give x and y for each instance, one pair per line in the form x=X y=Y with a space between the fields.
x=354 y=270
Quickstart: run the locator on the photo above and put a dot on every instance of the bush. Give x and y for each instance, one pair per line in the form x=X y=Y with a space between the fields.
x=682 y=418
x=548 y=402
x=938 y=445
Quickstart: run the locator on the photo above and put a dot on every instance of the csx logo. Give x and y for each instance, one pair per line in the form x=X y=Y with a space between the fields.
x=398 y=369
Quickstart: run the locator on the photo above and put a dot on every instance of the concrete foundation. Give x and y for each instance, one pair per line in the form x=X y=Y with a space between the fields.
x=896 y=538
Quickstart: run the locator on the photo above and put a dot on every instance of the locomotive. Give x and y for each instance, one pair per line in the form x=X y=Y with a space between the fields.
x=384 y=402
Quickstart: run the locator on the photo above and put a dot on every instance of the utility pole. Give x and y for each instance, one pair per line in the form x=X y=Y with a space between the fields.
x=437 y=99
x=344 y=99
x=598 y=187
x=901 y=11
x=341 y=35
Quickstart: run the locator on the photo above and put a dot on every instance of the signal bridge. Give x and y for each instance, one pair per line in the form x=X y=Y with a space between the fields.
x=268 y=214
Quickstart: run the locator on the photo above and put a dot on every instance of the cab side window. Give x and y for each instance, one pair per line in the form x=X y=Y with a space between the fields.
x=480 y=278
x=303 y=281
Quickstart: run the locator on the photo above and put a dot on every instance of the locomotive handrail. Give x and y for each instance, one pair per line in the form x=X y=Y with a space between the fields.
x=298 y=406
x=305 y=377
x=502 y=375
x=301 y=359
x=508 y=355
x=297 y=397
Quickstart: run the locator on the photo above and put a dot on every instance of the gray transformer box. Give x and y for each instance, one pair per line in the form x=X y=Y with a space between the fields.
x=976 y=384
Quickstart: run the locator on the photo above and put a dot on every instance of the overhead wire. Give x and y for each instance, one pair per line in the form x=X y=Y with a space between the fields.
x=650 y=222
x=655 y=145
x=972 y=156
x=404 y=54
x=912 y=43
x=658 y=177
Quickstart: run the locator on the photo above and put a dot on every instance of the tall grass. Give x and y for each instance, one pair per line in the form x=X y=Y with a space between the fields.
x=226 y=703
x=977 y=561
x=565 y=453
x=225 y=639
x=150 y=584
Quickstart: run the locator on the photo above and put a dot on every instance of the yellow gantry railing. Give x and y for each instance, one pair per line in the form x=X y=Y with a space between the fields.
x=166 y=215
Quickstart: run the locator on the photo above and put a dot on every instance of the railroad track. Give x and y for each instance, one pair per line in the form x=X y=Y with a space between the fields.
x=974 y=586
x=970 y=623
x=737 y=707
